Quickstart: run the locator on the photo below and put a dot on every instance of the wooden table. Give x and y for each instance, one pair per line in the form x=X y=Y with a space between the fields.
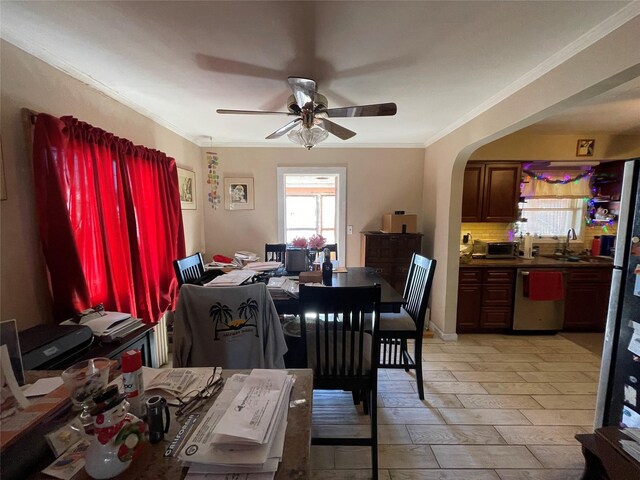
x=295 y=465
x=390 y=300
x=604 y=457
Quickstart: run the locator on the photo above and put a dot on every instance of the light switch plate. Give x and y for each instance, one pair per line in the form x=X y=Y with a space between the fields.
x=349 y=229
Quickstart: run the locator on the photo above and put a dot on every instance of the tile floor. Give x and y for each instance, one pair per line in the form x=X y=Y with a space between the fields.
x=496 y=407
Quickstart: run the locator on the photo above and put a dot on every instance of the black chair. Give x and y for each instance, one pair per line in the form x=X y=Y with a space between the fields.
x=397 y=328
x=189 y=269
x=341 y=354
x=275 y=252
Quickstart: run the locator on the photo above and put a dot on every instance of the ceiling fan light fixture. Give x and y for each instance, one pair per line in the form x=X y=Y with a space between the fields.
x=308 y=137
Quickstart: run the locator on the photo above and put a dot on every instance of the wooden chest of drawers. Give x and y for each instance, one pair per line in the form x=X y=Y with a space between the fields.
x=390 y=254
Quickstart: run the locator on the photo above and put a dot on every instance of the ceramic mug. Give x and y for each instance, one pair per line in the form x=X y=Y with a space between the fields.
x=157 y=412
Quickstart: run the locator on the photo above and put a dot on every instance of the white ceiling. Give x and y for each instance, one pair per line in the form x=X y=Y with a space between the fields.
x=441 y=62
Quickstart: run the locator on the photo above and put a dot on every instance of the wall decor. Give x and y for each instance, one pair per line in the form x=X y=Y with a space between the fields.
x=238 y=193
x=585 y=147
x=213 y=180
x=187 y=188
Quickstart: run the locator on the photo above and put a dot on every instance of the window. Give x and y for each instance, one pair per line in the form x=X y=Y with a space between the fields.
x=312 y=200
x=551 y=217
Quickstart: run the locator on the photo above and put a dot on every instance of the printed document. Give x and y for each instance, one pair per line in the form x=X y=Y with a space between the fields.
x=231 y=279
x=251 y=414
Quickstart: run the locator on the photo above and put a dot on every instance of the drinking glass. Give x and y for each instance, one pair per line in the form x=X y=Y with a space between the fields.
x=83 y=380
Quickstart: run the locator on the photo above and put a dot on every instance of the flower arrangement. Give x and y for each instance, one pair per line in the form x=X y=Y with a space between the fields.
x=299 y=242
x=316 y=242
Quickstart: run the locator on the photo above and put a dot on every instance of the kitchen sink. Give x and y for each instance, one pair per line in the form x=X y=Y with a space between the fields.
x=580 y=259
x=602 y=260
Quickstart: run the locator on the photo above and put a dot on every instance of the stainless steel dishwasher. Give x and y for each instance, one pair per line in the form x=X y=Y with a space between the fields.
x=536 y=316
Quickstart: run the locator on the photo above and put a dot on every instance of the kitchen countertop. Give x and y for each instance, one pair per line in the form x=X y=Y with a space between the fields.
x=537 y=262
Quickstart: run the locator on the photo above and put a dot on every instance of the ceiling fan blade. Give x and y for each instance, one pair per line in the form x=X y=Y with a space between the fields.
x=250 y=112
x=337 y=130
x=377 y=110
x=282 y=130
x=304 y=89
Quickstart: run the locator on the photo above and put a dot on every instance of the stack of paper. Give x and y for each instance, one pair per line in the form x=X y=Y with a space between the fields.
x=263 y=266
x=632 y=447
x=283 y=288
x=242 y=257
x=243 y=432
x=231 y=279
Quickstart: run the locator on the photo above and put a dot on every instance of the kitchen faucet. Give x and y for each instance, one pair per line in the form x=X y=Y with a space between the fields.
x=571 y=235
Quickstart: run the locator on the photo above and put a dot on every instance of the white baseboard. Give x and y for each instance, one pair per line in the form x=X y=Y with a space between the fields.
x=447 y=337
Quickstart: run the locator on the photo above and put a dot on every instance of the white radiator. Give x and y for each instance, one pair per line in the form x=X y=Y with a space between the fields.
x=161 y=340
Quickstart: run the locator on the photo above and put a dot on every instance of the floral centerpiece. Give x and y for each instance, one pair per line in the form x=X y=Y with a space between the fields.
x=299 y=242
x=317 y=242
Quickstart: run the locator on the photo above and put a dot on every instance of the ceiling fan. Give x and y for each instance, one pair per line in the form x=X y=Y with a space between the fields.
x=312 y=124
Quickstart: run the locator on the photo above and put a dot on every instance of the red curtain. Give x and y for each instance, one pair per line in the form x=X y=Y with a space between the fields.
x=109 y=217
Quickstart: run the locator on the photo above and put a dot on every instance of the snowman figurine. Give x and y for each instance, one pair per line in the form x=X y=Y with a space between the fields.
x=118 y=435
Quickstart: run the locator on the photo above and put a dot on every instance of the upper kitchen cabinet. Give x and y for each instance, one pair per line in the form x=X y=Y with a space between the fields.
x=491 y=192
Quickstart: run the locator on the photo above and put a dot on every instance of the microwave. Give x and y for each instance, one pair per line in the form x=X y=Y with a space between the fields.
x=496 y=249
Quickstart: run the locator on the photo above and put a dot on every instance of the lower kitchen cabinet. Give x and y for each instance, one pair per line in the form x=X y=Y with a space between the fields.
x=587 y=299
x=485 y=299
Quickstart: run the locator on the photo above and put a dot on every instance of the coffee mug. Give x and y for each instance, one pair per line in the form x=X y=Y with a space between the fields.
x=156 y=406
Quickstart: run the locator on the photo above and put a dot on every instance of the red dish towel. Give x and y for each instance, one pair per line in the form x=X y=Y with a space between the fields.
x=544 y=286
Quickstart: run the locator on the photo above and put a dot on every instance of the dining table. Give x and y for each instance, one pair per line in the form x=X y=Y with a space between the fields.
x=390 y=299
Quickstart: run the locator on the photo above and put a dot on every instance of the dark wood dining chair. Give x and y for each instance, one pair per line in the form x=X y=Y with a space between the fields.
x=397 y=328
x=189 y=269
x=275 y=252
x=342 y=356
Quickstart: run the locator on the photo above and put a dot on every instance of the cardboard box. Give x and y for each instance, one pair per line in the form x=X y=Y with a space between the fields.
x=392 y=223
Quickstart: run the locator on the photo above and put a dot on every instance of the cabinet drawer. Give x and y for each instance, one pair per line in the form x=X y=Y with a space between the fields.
x=499 y=318
x=497 y=295
x=498 y=275
x=470 y=275
x=589 y=275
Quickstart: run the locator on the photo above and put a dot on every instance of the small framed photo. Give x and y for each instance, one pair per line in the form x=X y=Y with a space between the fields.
x=187 y=188
x=238 y=193
x=585 y=147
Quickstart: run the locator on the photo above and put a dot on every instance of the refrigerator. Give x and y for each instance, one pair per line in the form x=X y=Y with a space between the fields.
x=618 y=399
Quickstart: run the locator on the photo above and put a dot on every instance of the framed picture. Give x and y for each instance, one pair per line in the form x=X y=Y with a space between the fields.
x=238 y=193
x=585 y=147
x=187 y=186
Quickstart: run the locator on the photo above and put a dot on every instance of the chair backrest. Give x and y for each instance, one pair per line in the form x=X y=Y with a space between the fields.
x=189 y=268
x=418 y=288
x=228 y=327
x=332 y=326
x=275 y=252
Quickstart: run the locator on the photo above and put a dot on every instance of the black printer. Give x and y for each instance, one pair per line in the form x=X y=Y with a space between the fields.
x=53 y=347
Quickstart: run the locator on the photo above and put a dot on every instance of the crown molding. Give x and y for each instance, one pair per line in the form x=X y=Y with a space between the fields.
x=622 y=16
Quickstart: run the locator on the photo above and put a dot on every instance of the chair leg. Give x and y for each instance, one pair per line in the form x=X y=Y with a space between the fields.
x=355 y=394
x=373 y=394
x=404 y=353
x=418 y=363
x=366 y=403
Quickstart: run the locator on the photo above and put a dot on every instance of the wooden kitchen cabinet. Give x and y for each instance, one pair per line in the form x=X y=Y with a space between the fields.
x=491 y=192
x=485 y=299
x=390 y=254
x=587 y=299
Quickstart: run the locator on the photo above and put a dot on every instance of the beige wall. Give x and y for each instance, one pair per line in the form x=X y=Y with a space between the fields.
x=378 y=181
x=609 y=62
x=524 y=145
x=29 y=82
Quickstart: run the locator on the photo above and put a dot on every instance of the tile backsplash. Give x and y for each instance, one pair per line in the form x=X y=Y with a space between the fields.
x=502 y=232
